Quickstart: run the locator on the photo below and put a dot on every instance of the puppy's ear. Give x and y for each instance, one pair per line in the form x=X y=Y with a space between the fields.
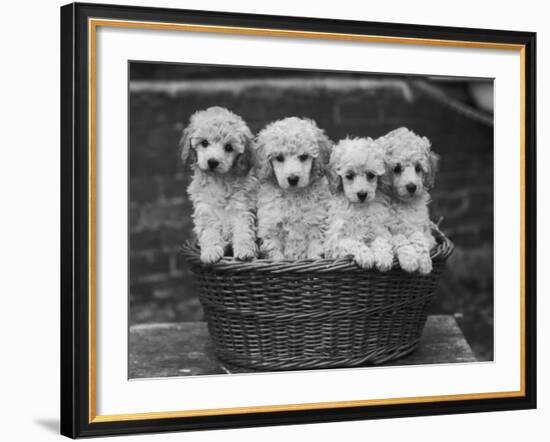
x=385 y=182
x=243 y=162
x=433 y=164
x=264 y=172
x=378 y=160
x=334 y=181
x=379 y=163
x=187 y=152
x=324 y=148
x=261 y=162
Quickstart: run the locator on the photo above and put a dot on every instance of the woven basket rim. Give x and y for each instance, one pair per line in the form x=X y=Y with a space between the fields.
x=191 y=252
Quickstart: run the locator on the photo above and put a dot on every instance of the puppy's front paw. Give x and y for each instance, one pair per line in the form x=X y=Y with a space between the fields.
x=425 y=264
x=212 y=254
x=275 y=255
x=315 y=252
x=384 y=260
x=364 y=259
x=245 y=251
x=408 y=259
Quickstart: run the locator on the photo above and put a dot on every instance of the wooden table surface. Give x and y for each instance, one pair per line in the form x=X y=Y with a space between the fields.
x=185 y=349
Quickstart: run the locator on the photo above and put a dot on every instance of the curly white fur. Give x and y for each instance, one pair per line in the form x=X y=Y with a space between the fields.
x=292 y=199
x=219 y=144
x=410 y=173
x=359 y=212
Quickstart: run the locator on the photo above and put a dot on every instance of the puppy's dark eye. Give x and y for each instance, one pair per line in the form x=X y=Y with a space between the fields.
x=228 y=147
x=417 y=168
x=350 y=176
x=303 y=157
x=398 y=169
x=370 y=176
x=204 y=143
x=280 y=158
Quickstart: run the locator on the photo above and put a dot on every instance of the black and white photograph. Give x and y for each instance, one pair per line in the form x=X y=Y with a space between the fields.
x=288 y=219
x=274 y=220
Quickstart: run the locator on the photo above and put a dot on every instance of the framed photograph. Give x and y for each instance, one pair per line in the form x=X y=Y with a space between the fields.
x=279 y=220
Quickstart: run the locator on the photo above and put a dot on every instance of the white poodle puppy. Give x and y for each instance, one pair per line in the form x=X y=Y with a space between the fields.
x=293 y=195
x=219 y=143
x=410 y=172
x=359 y=212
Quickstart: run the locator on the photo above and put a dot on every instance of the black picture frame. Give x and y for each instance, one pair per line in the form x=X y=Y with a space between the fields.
x=75 y=219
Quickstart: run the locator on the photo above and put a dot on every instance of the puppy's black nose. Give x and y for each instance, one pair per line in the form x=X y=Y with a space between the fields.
x=411 y=188
x=213 y=163
x=361 y=196
x=293 y=180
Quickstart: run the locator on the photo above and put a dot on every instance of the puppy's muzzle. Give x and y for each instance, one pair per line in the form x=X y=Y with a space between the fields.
x=411 y=188
x=212 y=164
x=293 y=180
x=362 y=196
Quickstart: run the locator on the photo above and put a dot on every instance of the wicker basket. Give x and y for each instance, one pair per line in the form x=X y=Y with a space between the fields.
x=284 y=315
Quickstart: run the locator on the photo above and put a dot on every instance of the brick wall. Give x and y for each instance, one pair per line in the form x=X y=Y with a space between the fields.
x=160 y=211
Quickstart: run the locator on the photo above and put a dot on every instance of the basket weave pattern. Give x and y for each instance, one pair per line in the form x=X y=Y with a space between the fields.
x=305 y=314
